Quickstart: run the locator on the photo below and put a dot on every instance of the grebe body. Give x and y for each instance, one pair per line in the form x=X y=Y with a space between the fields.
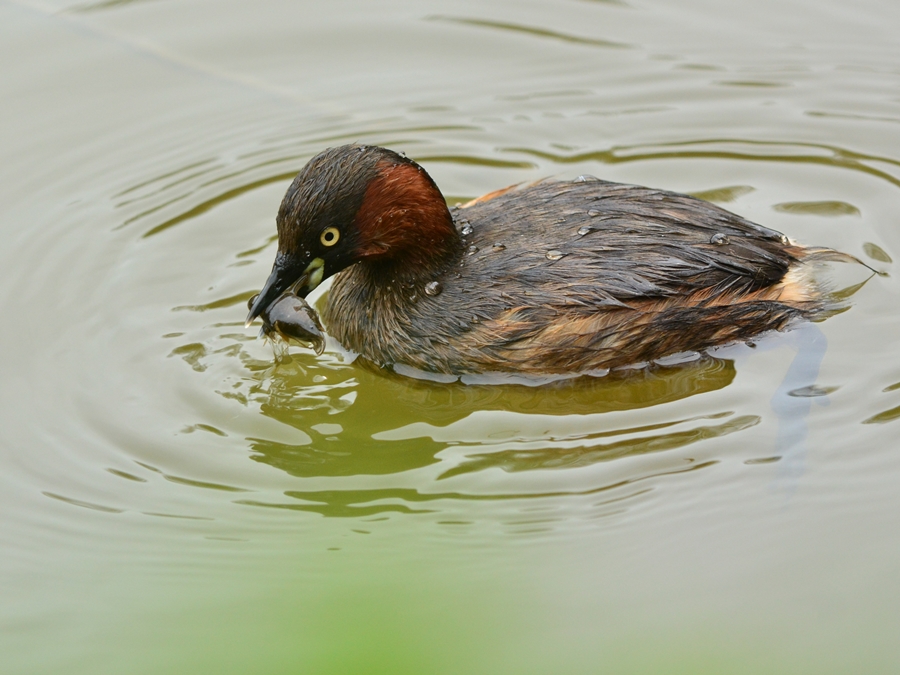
x=551 y=277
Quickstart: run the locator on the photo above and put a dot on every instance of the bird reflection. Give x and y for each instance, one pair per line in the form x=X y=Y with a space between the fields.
x=364 y=404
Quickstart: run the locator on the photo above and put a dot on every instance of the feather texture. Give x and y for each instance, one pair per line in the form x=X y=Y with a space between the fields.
x=575 y=276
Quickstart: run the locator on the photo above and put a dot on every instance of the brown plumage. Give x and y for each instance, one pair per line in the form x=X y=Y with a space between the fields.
x=553 y=277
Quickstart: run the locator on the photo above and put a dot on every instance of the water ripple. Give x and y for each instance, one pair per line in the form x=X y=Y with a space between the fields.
x=368 y=502
x=531 y=31
x=741 y=149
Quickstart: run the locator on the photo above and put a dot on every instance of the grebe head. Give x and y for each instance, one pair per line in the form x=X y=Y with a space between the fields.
x=352 y=204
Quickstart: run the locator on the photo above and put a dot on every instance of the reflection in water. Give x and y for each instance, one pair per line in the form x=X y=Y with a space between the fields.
x=101 y=5
x=886 y=416
x=792 y=402
x=344 y=458
x=587 y=453
x=373 y=440
x=875 y=252
x=531 y=31
x=733 y=149
x=211 y=203
x=751 y=83
x=83 y=503
x=829 y=208
x=724 y=194
x=371 y=502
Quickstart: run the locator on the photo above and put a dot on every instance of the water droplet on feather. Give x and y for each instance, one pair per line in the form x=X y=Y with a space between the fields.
x=719 y=239
x=584 y=229
x=472 y=249
x=466 y=230
x=553 y=254
x=433 y=288
x=499 y=247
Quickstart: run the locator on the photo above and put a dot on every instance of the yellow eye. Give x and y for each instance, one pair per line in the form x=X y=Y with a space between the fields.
x=329 y=236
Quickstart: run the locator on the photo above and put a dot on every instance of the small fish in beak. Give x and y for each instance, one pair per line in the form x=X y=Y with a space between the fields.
x=291 y=319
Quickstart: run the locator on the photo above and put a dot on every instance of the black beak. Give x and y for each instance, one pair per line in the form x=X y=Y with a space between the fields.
x=286 y=272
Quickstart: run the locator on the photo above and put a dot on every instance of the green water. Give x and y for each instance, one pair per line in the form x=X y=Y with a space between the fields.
x=175 y=502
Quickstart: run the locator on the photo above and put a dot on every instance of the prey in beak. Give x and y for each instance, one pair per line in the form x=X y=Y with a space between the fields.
x=291 y=319
x=288 y=276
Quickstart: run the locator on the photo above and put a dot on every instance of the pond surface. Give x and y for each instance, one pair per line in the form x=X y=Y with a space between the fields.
x=174 y=501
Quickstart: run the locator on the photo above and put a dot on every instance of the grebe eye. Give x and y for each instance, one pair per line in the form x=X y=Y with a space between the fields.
x=330 y=236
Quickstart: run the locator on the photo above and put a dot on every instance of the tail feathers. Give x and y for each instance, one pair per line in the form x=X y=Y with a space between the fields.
x=822 y=254
x=827 y=301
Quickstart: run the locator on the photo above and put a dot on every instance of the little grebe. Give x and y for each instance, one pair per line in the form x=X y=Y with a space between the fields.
x=552 y=277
